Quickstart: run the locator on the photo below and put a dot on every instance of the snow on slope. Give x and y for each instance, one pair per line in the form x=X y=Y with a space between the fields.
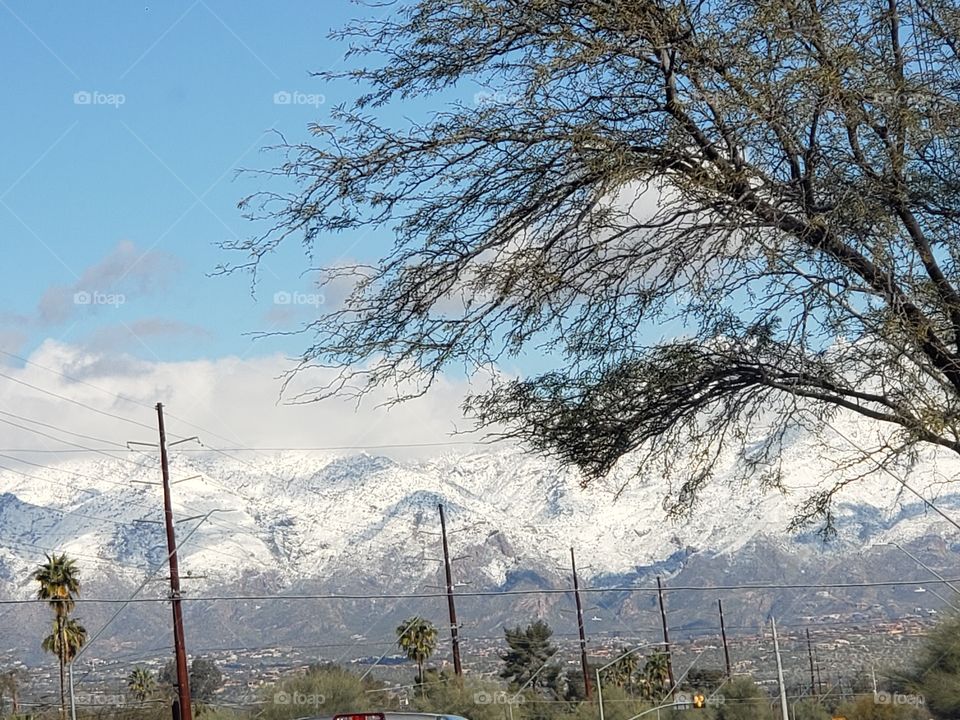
x=293 y=516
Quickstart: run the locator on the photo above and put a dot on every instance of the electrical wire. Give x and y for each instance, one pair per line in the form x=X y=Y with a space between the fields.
x=63 y=430
x=509 y=593
x=77 y=402
x=67 y=442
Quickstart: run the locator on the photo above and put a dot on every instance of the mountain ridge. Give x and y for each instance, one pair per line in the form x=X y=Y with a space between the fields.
x=368 y=524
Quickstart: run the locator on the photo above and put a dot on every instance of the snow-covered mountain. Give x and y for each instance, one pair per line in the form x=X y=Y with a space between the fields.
x=369 y=525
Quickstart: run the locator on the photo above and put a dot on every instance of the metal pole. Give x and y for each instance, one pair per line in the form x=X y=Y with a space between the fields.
x=73 y=700
x=666 y=634
x=583 y=637
x=783 y=690
x=451 y=607
x=599 y=694
x=179 y=646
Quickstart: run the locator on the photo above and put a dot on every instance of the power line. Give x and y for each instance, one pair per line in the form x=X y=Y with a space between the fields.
x=124 y=398
x=292 y=448
x=384 y=446
x=75 y=402
x=95 y=558
x=224 y=525
x=52 y=451
x=67 y=442
x=508 y=593
x=131 y=524
x=92 y=493
x=60 y=429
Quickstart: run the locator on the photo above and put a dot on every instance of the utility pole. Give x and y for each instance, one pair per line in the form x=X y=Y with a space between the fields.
x=723 y=635
x=816 y=657
x=587 y=690
x=783 y=688
x=813 y=679
x=666 y=633
x=454 y=631
x=179 y=646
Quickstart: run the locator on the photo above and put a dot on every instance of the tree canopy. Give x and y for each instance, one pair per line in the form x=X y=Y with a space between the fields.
x=773 y=181
x=417 y=637
x=58 y=582
x=528 y=652
x=205 y=677
x=934 y=672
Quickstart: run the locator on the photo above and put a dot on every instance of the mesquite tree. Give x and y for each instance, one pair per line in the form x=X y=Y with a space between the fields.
x=776 y=181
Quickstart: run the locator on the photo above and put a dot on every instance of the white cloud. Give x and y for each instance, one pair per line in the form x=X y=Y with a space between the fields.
x=236 y=398
x=127 y=272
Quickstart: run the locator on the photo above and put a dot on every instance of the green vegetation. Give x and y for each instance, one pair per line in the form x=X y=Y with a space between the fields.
x=322 y=690
x=655 y=676
x=205 y=679
x=532 y=682
x=141 y=684
x=418 y=639
x=59 y=584
x=743 y=700
x=867 y=708
x=934 y=674
x=528 y=652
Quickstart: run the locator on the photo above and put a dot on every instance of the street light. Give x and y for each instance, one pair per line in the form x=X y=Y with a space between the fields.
x=614 y=662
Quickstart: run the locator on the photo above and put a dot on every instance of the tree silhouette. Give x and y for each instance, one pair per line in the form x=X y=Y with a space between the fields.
x=777 y=180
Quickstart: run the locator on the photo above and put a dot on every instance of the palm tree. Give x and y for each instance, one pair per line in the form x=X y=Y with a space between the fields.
x=655 y=674
x=417 y=637
x=66 y=639
x=59 y=580
x=140 y=683
x=624 y=670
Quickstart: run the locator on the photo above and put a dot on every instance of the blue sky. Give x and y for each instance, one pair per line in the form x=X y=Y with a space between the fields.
x=124 y=126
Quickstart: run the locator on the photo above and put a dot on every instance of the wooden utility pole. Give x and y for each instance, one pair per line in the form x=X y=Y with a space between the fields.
x=813 y=678
x=451 y=607
x=179 y=646
x=723 y=635
x=666 y=633
x=587 y=689
x=816 y=657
